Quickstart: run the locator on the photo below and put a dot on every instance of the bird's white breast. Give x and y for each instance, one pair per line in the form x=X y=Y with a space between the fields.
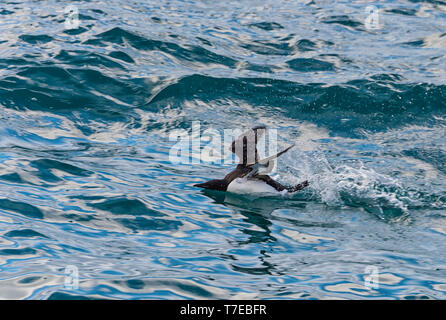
x=250 y=186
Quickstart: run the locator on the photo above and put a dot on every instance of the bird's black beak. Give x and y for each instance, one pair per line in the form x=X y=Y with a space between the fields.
x=200 y=185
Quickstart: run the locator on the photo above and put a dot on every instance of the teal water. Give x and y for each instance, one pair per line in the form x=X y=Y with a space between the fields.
x=85 y=176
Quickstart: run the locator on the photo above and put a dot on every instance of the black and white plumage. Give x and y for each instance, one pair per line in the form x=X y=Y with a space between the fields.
x=246 y=177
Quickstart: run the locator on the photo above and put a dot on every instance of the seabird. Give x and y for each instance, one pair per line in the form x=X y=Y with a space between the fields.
x=246 y=178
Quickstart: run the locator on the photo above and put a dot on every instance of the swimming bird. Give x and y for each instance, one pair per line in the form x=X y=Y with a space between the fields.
x=246 y=177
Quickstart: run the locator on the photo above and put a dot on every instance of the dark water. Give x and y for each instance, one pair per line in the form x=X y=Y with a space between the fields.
x=85 y=176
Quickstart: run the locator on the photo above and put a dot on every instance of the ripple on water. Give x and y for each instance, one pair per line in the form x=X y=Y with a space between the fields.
x=85 y=176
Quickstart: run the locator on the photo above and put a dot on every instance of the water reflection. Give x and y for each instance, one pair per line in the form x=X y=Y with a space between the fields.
x=256 y=224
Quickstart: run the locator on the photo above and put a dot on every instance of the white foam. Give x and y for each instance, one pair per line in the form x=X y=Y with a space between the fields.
x=337 y=185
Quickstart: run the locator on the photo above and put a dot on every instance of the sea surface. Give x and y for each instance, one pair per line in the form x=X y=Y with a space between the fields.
x=92 y=206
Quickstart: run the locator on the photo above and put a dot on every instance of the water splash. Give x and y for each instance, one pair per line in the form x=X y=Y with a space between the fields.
x=340 y=185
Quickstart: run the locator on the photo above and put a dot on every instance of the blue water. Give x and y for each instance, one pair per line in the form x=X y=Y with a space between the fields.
x=85 y=176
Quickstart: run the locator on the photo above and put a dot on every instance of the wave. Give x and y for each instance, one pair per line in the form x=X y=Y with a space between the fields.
x=375 y=104
x=378 y=103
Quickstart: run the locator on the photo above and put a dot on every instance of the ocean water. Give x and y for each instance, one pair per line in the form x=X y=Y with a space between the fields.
x=91 y=206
